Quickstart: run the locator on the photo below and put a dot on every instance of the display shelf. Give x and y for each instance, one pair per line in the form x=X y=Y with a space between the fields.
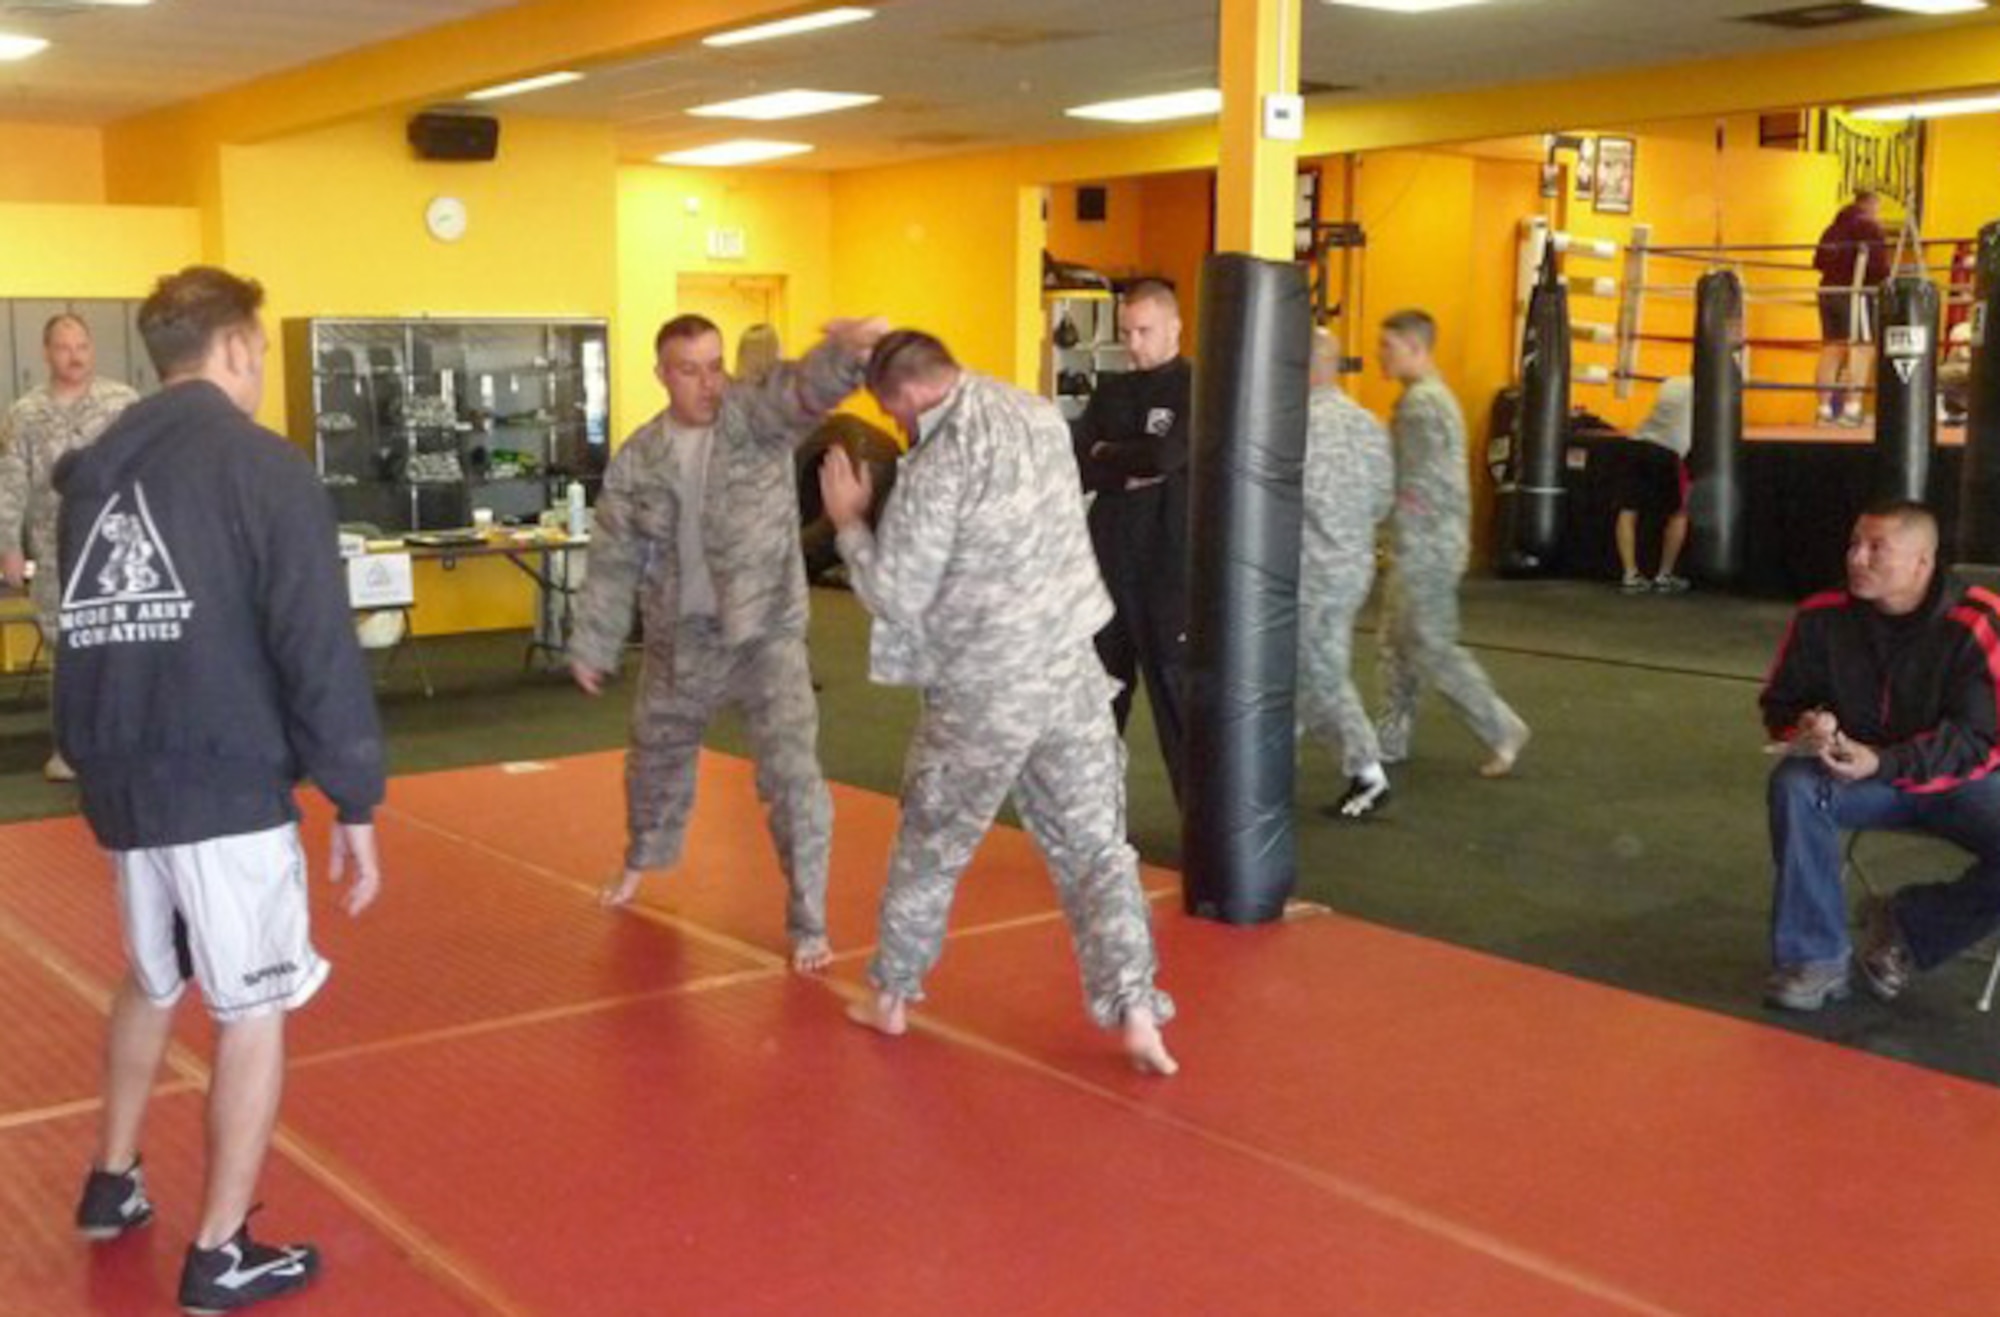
x=372 y=397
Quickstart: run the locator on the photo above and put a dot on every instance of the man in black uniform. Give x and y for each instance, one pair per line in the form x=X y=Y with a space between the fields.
x=1132 y=447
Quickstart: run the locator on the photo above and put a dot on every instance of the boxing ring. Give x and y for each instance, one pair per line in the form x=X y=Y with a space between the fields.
x=1747 y=328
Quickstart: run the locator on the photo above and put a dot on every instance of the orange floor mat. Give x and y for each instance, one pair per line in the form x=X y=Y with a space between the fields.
x=509 y=1101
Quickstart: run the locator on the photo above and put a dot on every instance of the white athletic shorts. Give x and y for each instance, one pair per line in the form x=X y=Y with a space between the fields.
x=230 y=913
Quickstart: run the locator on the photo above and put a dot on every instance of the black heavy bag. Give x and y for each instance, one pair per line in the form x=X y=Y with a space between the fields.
x=1239 y=857
x=1906 y=308
x=1715 y=494
x=1979 y=485
x=1531 y=494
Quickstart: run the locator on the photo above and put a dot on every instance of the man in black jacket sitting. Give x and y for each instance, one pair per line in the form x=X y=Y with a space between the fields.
x=1885 y=695
x=209 y=664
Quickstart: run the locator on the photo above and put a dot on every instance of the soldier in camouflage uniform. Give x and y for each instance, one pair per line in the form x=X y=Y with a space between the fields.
x=986 y=596
x=698 y=528
x=1430 y=540
x=54 y=419
x=1349 y=490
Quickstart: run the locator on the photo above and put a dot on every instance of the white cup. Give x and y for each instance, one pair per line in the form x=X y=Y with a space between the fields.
x=482 y=519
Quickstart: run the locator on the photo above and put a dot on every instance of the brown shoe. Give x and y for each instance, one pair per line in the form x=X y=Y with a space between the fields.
x=1886 y=963
x=58 y=769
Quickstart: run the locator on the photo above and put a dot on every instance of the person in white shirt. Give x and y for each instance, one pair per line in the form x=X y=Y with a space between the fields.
x=1655 y=480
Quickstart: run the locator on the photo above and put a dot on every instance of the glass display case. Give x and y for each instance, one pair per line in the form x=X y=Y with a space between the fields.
x=1082 y=344
x=415 y=423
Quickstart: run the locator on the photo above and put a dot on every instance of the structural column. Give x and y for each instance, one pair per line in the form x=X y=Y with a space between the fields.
x=1256 y=183
x=1239 y=855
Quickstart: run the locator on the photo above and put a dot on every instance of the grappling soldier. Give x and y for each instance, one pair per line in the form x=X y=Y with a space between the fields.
x=698 y=527
x=985 y=597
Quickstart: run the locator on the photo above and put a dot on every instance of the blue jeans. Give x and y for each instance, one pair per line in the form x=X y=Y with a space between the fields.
x=1810 y=809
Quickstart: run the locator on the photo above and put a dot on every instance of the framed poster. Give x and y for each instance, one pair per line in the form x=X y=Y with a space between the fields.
x=1586 y=168
x=1616 y=169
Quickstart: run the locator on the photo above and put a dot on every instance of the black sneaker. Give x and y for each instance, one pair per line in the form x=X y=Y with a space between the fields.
x=1363 y=798
x=113 y=1204
x=243 y=1272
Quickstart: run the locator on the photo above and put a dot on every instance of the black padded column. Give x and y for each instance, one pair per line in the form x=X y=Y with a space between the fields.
x=1239 y=854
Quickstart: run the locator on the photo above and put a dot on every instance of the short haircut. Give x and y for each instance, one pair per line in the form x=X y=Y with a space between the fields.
x=186 y=311
x=905 y=355
x=683 y=326
x=1152 y=290
x=1862 y=194
x=1413 y=323
x=58 y=320
x=1908 y=514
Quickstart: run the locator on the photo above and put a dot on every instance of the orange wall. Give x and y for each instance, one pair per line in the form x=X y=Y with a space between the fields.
x=1111 y=246
x=51 y=163
x=1962 y=186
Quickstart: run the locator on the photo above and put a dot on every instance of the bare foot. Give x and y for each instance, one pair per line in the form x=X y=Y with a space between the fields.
x=620 y=890
x=1144 y=1047
x=882 y=1012
x=1502 y=762
x=810 y=955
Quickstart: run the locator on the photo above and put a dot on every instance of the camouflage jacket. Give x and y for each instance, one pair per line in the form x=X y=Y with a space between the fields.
x=1433 y=489
x=1349 y=490
x=749 y=517
x=34 y=435
x=981 y=567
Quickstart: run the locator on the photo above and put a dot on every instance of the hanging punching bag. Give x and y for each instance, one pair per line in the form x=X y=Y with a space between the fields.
x=1239 y=855
x=1979 y=483
x=1906 y=308
x=1715 y=494
x=1531 y=496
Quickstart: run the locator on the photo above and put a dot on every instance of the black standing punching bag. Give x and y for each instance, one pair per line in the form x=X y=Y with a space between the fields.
x=1715 y=493
x=1239 y=855
x=1979 y=484
x=1906 y=308
x=1531 y=498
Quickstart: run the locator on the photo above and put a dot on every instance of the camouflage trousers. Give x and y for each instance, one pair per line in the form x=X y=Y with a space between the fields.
x=1330 y=707
x=1048 y=739
x=1420 y=648
x=770 y=682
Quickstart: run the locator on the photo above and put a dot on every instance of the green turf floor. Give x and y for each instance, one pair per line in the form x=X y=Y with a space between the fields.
x=1629 y=849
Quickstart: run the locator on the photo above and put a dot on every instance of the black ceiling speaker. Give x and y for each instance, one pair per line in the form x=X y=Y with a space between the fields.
x=436 y=136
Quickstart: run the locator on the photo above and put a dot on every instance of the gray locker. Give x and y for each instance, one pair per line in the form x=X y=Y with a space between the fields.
x=107 y=320
x=7 y=374
x=113 y=329
x=30 y=317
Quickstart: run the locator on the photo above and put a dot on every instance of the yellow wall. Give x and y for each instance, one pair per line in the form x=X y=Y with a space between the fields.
x=332 y=223
x=1962 y=189
x=787 y=222
x=92 y=251
x=1174 y=239
x=51 y=163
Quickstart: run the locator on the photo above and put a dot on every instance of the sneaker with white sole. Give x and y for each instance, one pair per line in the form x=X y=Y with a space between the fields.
x=1809 y=987
x=112 y=1203
x=1668 y=583
x=1633 y=583
x=1363 y=798
x=243 y=1272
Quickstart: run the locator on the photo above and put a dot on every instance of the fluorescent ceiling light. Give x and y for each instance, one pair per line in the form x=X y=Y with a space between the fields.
x=1930 y=6
x=1983 y=104
x=1152 y=109
x=743 y=151
x=784 y=105
x=15 y=47
x=1406 y=6
x=540 y=83
x=790 y=27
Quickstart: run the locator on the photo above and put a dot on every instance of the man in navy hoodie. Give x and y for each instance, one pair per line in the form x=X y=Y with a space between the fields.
x=208 y=665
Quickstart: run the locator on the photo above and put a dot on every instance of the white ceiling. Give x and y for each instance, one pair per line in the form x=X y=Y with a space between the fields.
x=105 y=64
x=954 y=74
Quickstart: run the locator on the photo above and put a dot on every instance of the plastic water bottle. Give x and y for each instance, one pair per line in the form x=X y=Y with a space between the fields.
x=578 y=526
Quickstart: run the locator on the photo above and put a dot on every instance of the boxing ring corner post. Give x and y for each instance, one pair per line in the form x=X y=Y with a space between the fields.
x=1239 y=849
